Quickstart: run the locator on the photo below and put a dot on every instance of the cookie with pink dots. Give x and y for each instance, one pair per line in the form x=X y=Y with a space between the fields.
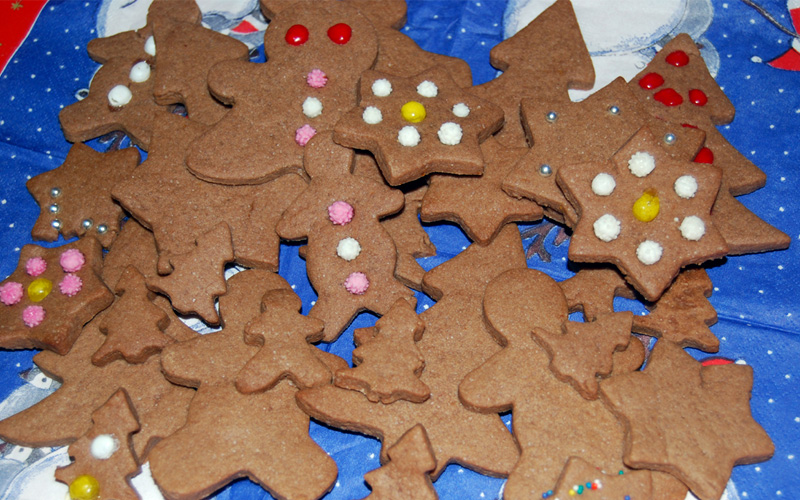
x=51 y=295
x=316 y=52
x=645 y=212
x=418 y=125
x=350 y=256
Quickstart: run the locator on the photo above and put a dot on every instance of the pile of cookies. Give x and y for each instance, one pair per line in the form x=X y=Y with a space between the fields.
x=343 y=140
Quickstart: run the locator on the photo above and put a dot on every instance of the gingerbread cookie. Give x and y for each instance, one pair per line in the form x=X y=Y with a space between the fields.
x=134 y=325
x=66 y=415
x=698 y=450
x=406 y=475
x=579 y=477
x=75 y=198
x=548 y=414
x=477 y=441
x=477 y=203
x=315 y=54
x=582 y=352
x=198 y=276
x=676 y=86
x=163 y=196
x=565 y=133
x=418 y=125
x=644 y=211
x=121 y=92
x=103 y=458
x=228 y=435
x=53 y=292
x=559 y=62
x=410 y=238
x=387 y=361
x=184 y=58
x=350 y=256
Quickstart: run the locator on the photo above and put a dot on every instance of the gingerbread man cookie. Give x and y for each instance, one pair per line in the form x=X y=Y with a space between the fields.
x=350 y=257
x=315 y=53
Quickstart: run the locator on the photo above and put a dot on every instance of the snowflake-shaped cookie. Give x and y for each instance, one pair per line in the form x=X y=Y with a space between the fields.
x=645 y=212
x=418 y=125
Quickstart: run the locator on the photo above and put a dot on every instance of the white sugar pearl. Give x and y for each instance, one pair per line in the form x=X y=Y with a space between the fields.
x=348 y=249
x=607 y=228
x=408 y=136
x=150 y=46
x=119 y=96
x=372 y=115
x=693 y=228
x=603 y=184
x=461 y=110
x=312 y=107
x=686 y=186
x=103 y=446
x=450 y=134
x=641 y=163
x=649 y=252
x=140 y=72
x=381 y=87
x=427 y=89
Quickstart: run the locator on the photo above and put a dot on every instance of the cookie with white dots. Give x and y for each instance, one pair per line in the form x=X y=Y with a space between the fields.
x=645 y=212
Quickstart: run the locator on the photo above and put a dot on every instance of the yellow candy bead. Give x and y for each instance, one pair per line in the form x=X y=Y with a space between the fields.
x=39 y=289
x=647 y=206
x=84 y=487
x=413 y=112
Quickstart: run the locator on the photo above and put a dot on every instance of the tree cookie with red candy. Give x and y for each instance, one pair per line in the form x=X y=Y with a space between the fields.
x=75 y=198
x=103 y=459
x=676 y=86
x=644 y=211
x=52 y=294
x=350 y=257
x=315 y=54
x=418 y=125
x=689 y=420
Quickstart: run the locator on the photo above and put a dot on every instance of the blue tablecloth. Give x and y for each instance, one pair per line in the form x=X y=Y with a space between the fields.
x=756 y=296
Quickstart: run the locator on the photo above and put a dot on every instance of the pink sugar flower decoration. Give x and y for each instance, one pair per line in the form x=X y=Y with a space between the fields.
x=317 y=78
x=340 y=212
x=304 y=134
x=70 y=285
x=33 y=316
x=11 y=293
x=356 y=283
x=35 y=266
x=72 y=260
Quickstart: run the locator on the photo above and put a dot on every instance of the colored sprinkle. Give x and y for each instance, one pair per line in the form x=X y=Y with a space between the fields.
x=72 y=260
x=35 y=266
x=39 y=289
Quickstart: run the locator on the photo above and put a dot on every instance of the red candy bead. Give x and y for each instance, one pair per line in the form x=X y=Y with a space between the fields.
x=698 y=97
x=340 y=33
x=678 y=58
x=651 y=81
x=668 y=97
x=705 y=155
x=297 y=35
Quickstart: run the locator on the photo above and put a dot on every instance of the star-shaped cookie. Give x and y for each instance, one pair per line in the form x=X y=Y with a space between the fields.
x=458 y=435
x=419 y=124
x=644 y=211
x=75 y=198
x=53 y=292
x=478 y=204
x=689 y=420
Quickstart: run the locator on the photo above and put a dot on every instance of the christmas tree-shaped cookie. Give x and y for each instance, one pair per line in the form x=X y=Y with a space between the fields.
x=406 y=475
x=134 y=325
x=103 y=458
x=388 y=362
